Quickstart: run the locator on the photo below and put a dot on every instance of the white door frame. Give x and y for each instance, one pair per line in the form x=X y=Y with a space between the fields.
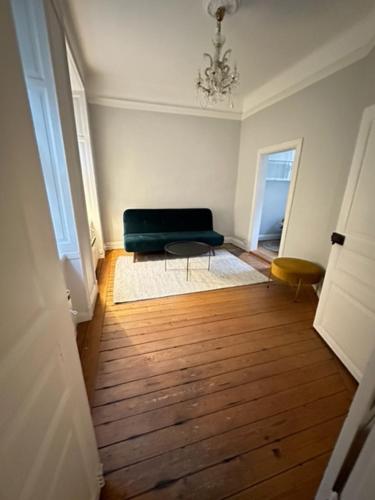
x=85 y=149
x=259 y=187
x=361 y=405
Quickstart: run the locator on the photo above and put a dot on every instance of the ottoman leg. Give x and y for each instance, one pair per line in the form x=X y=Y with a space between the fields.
x=269 y=277
x=298 y=290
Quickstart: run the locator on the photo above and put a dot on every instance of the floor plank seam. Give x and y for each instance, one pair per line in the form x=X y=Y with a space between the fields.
x=223 y=433
x=254 y=332
x=325 y=453
x=203 y=364
x=203 y=395
x=192 y=366
x=136 y=436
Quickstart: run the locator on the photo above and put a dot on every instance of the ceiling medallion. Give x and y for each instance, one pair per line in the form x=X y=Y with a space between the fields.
x=218 y=80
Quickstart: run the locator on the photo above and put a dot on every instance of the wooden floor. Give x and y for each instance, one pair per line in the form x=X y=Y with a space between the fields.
x=264 y=253
x=220 y=394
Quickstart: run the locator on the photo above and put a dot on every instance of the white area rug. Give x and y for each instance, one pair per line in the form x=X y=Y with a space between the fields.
x=148 y=279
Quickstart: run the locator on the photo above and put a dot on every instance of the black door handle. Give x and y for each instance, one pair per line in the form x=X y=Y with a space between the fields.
x=337 y=238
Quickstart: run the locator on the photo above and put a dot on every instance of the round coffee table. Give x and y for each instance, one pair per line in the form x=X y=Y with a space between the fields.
x=187 y=249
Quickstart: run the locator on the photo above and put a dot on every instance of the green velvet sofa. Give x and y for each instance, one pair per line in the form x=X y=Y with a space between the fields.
x=149 y=230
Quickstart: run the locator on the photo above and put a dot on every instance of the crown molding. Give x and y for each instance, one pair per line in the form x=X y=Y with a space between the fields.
x=115 y=102
x=352 y=46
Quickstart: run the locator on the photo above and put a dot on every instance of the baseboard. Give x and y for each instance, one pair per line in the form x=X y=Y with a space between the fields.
x=113 y=245
x=270 y=236
x=317 y=289
x=82 y=316
x=97 y=493
x=237 y=242
x=93 y=297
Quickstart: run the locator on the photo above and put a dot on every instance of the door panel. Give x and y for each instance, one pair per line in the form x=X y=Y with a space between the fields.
x=47 y=442
x=361 y=482
x=346 y=312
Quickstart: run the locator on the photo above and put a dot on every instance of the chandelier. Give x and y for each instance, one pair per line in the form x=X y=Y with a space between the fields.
x=218 y=80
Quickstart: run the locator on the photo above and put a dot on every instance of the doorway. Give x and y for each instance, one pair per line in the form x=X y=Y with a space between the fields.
x=273 y=197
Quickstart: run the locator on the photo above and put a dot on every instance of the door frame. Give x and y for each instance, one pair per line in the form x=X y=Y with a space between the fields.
x=259 y=188
x=84 y=136
x=361 y=405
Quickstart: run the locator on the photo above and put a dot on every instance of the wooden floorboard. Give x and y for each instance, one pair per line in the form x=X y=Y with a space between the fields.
x=222 y=394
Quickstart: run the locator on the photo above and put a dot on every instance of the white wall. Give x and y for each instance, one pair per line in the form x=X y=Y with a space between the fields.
x=149 y=159
x=327 y=116
x=153 y=160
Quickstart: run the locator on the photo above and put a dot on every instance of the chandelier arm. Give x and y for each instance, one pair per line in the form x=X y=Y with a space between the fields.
x=209 y=57
x=226 y=55
x=205 y=89
x=228 y=85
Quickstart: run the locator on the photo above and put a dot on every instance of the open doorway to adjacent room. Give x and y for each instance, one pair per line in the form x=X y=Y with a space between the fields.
x=272 y=199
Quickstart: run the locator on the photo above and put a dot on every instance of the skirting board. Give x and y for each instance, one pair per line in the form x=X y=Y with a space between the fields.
x=87 y=315
x=114 y=245
x=237 y=242
x=270 y=236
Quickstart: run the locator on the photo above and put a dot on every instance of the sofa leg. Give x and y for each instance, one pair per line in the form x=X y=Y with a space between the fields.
x=134 y=257
x=213 y=251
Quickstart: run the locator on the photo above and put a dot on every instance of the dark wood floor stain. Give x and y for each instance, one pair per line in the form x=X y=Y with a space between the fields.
x=221 y=394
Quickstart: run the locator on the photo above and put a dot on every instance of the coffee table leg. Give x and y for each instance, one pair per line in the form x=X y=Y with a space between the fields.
x=187 y=269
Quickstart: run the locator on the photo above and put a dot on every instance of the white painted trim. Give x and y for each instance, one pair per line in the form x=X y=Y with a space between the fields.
x=258 y=191
x=236 y=241
x=116 y=102
x=269 y=236
x=346 y=49
x=349 y=47
x=93 y=297
x=75 y=77
x=283 y=86
x=82 y=316
x=96 y=495
x=363 y=401
x=84 y=142
x=113 y=245
x=88 y=315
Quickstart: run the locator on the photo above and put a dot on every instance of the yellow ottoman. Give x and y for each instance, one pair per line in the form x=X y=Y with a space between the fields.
x=296 y=272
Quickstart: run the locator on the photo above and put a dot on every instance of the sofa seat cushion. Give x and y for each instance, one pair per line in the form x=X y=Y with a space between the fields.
x=154 y=242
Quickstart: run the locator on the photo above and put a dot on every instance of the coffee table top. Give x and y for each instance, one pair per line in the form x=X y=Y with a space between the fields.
x=187 y=248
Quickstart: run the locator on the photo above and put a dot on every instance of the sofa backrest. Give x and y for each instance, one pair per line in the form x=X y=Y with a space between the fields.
x=163 y=220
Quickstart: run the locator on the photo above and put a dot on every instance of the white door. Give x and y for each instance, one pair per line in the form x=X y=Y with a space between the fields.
x=350 y=472
x=47 y=444
x=345 y=316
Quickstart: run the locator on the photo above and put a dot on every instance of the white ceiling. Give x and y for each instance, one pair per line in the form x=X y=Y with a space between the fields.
x=150 y=50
